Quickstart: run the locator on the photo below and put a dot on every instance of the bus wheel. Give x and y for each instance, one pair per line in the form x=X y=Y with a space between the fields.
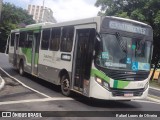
x=65 y=85
x=21 y=68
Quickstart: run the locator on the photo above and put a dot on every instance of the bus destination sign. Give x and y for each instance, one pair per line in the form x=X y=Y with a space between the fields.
x=127 y=27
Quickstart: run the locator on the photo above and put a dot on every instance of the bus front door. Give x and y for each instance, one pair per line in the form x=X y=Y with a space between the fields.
x=16 y=41
x=83 y=58
x=35 y=53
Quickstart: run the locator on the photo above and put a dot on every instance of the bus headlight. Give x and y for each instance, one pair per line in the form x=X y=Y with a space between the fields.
x=105 y=85
x=102 y=83
x=99 y=81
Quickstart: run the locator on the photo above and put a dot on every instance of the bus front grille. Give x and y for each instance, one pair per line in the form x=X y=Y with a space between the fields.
x=126 y=75
x=123 y=92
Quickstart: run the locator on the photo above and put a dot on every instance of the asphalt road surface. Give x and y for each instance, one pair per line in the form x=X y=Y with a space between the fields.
x=43 y=96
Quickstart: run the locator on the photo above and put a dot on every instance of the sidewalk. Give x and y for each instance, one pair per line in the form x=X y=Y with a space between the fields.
x=2 y=82
x=154 y=84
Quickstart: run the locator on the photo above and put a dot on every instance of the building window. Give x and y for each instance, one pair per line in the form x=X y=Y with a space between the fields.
x=29 y=7
x=67 y=39
x=22 y=39
x=55 y=39
x=45 y=39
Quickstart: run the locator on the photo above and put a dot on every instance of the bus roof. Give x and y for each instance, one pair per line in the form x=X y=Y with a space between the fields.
x=32 y=27
x=75 y=22
x=97 y=20
x=126 y=19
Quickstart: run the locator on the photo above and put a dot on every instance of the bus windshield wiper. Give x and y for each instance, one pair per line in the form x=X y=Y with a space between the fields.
x=121 y=42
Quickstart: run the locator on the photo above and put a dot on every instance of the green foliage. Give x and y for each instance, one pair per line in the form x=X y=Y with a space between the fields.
x=11 y=18
x=146 y=11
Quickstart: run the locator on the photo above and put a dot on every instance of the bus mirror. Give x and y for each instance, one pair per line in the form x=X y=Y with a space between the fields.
x=98 y=38
x=97 y=46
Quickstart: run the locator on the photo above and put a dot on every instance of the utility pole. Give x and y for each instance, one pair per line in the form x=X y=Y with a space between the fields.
x=43 y=12
x=1 y=1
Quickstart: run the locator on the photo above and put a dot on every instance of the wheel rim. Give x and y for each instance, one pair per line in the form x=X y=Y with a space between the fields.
x=65 y=85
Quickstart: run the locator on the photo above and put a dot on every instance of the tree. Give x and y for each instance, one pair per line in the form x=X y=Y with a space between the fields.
x=146 y=11
x=11 y=18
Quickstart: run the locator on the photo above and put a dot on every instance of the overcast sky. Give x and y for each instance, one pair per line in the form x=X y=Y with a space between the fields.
x=63 y=10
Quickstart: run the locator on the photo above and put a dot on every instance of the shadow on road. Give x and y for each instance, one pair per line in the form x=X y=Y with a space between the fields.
x=88 y=101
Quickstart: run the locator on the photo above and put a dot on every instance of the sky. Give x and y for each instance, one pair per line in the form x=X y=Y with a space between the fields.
x=63 y=10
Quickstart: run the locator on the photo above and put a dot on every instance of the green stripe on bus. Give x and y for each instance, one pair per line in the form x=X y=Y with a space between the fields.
x=28 y=53
x=101 y=75
x=31 y=28
x=115 y=85
x=120 y=84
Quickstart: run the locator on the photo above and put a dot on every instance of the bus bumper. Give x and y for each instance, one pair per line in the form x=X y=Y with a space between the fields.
x=99 y=92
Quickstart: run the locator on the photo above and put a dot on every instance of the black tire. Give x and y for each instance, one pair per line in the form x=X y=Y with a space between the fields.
x=65 y=85
x=21 y=68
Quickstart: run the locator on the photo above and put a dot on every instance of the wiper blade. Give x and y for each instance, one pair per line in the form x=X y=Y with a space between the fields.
x=121 y=42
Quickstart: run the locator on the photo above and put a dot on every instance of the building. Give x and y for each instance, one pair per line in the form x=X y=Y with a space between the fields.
x=41 y=14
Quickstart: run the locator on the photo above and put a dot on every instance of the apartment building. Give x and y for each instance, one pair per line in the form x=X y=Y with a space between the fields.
x=41 y=14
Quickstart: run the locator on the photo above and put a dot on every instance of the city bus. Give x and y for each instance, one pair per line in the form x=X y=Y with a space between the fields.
x=100 y=57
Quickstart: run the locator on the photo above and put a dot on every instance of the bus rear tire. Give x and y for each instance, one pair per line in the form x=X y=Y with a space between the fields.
x=65 y=85
x=21 y=68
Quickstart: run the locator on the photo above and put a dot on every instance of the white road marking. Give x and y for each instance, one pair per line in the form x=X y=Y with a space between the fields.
x=2 y=83
x=35 y=100
x=6 y=54
x=25 y=85
x=56 y=99
x=145 y=101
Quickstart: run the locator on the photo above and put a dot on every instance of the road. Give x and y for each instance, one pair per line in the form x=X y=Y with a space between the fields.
x=44 y=96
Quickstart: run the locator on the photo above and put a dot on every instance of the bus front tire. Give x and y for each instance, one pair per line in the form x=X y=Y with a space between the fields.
x=65 y=85
x=21 y=68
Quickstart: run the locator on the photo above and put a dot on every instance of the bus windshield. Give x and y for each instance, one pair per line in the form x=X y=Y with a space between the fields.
x=119 y=52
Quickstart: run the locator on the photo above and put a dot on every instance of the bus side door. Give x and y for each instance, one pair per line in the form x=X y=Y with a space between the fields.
x=83 y=58
x=16 y=41
x=35 y=52
x=33 y=49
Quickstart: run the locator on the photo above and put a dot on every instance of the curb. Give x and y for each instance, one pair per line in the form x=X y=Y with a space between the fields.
x=2 y=83
x=153 y=99
x=23 y=84
x=155 y=88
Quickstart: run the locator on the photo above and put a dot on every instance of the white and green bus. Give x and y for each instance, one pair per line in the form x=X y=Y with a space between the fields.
x=100 y=57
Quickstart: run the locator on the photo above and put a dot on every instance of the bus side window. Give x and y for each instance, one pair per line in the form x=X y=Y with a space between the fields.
x=45 y=39
x=55 y=39
x=30 y=40
x=67 y=39
x=12 y=39
x=22 y=39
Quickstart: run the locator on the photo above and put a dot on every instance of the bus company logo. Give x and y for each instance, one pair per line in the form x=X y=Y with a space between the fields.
x=130 y=73
x=6 y=114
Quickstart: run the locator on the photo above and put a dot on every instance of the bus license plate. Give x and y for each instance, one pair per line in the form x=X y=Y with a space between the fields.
x=128 y=94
